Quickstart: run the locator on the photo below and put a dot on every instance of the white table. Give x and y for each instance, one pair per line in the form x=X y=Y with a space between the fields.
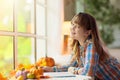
x=65 y=76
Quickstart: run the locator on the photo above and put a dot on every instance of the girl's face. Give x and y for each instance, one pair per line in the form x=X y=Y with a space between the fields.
x=77 y=32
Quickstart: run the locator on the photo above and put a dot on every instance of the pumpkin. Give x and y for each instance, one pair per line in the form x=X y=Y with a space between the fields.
x=37 y=71
x=2 y=77
x=46 y=61
x=19 y=67
x=29 y=66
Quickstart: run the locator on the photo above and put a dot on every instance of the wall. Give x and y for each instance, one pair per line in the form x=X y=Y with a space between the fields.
x=116 y=43
x=115 y=53
x=54 y=27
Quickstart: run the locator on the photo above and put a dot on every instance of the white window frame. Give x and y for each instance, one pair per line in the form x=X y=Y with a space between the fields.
x=15 y=34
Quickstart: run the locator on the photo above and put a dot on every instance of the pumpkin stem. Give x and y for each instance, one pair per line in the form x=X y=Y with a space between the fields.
x=36 y=67
x=22 y=69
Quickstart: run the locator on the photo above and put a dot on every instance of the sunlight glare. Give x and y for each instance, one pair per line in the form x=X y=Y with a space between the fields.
x=29 y=1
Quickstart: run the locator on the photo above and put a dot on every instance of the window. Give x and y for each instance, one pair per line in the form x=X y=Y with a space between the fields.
x=22 y=34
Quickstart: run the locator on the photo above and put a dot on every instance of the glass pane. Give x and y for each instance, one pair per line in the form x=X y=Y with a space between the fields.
x=25 y=16
x=6 y=54
x=6 y=15
x=25 y=50
x=41 y=1
x=40 y=20
x=41 y=48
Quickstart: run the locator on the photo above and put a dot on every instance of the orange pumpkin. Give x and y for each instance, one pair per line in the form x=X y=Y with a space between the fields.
x=19 y=67
x=2 y=77
x=38 y=71
x=46 y=61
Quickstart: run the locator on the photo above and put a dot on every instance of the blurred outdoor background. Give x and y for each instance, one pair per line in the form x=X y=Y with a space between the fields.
x=30 y=29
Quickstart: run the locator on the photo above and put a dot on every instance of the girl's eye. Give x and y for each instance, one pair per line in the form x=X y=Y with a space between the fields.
x=72 y=24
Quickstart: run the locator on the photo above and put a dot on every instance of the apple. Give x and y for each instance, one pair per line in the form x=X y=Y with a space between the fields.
x=30 y=75
x=20 y=77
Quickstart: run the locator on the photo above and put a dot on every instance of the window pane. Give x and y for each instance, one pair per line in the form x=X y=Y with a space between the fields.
x=40 y=20
x=41 y=1
x=6 y=54
x=41 y=48
x=25 y=50
x=25 y=16
x=6 y=15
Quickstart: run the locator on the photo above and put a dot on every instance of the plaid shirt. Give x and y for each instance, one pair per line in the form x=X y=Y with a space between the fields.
x=109 y=70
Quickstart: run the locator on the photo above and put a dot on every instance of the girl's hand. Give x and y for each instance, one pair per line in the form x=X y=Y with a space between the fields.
x=47 y=69
x=72 y=70
x=80 y=70
x=75 y=71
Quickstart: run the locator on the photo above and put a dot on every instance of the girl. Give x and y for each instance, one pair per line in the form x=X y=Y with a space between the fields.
x=90 y=55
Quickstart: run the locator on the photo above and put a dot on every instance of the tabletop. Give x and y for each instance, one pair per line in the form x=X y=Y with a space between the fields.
x=65 y=76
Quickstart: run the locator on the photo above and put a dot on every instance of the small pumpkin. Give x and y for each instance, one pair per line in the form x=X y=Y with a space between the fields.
x=19 y=67
x=46 y=61
x=37 y=71
x=2 y=77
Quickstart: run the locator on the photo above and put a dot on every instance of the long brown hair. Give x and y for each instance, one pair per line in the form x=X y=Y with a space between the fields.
x=88 y=22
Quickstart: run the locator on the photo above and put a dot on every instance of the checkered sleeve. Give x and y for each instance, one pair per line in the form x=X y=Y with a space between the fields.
x=64 y=68
x=91 y=59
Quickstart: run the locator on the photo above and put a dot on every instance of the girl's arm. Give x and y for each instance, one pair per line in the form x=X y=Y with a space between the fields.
x=62 y=68
x=91 y=60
